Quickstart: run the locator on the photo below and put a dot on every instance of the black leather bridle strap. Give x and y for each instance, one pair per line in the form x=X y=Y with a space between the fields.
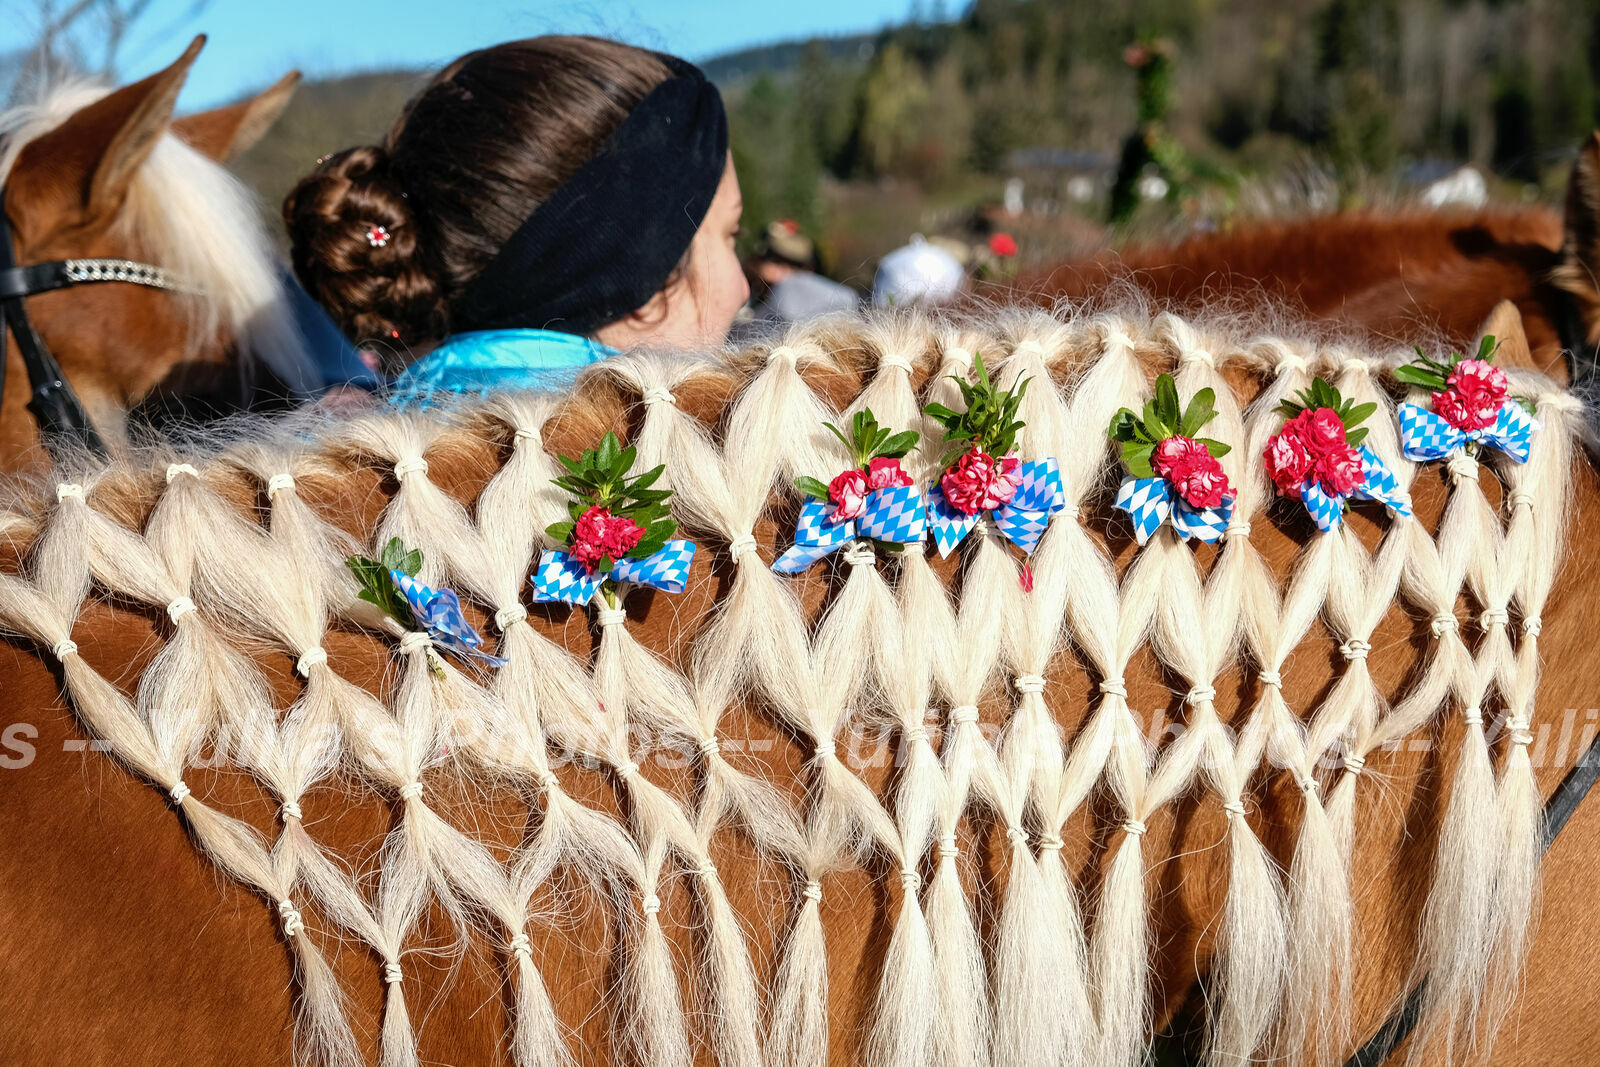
x=1557 y=811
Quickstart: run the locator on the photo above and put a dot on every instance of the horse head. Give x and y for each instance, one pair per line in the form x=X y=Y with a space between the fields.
x=90 y=174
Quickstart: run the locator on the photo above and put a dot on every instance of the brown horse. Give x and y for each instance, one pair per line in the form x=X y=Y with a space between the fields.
x=88 y=175
x=586 y=855
x=1407 y=277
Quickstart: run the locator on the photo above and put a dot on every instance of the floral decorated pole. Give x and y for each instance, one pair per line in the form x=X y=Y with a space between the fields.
x=873 y=501
x=1318 y=459
x=390 y=583
x=1172 y=473
x=619 y=532
x=1471 y=408
x=982 y=474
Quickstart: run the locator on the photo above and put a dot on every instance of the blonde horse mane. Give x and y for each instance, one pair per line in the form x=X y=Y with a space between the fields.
x=230 y=547
x=192 y=217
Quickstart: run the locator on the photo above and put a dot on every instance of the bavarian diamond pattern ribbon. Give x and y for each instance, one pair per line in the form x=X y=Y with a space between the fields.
x=1327 y=509
x=898 y=515
x=1425 y=435
x=1022 y=521
x=1151 y=501
x=439 y=612
x=560 y=578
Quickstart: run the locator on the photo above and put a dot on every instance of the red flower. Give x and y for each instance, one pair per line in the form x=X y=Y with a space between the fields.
x=1288 y=459
x=1200 y=480
x=598 y=534
x=848 y=492
x=1003 y=245
x=1477 y=389
x=1340 y=471
x=979 y=482
x=886 y=473
x=1174 y=452
x=1323 y=430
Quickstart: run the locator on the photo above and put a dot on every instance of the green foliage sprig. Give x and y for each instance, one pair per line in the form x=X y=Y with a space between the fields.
x=1433 y=374
x=1164 y=417
x=1323 y=395
x=377 y=585
x=990 y=421
x=599 y=478
x=867 y=441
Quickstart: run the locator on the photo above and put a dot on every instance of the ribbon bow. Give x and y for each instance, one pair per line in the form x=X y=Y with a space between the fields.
x=897 y=514
x=562 y=578
x=1425 y=435
x=1148 y=502
x=1022 y=520
x=439 y=612
x=1327 y=509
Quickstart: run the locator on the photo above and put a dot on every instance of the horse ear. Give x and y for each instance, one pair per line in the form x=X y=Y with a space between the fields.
x=1504 y=324
x=95 y=153
x=225 y=132
x=1580 y=239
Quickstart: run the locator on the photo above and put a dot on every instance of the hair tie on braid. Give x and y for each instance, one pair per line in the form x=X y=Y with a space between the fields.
x=611 y=616
x=963 y=713
x=947 y=849
x=1115 y=687
x=506 y=618
x=279 y=482
x=63 y=649
x=1309 y=786
x=707 y=870
x=1461 y=467
x=658 y=394
x=627 y=769
x=1494 y=617
x=1030 y=683
x=410 y=465
x=1288 y=361
x=1356 y=366
x=1354 y=763
x=745 y=542
x=391 y=973
x=916 y=733
x=1443 y=623
x=1016 y=835
x=1201 y=694
x=1240 y=530
x=1519 y=731
x=958 y=356
x=1531 y=626
x=1355 y=649
x=292 y=926
x=68 y=489
x=313 y=657
x=520 y=435
x=1111 y=337
x=548 y=781
x=289 y=810
x=521 y=946
x=411 y=791
x=1521 y=498
x=859 y=554
x=1051 y=843
x=825 y=749
x=1234 y=809
x=896 y=360
x=175 y=469
x=651 y=904
x=710 y=746
x=1272 y=678
x=180 y=607
x=180 y=792
x=1472 y=716
x=813 y=890
x=910 y=880
x=414 y=641
x=787 y=353
x=1198 y=355
x=1135 y=828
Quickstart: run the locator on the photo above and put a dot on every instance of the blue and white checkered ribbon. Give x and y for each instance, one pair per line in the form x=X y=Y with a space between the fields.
x=897 y=515
x=1150 y=501
x=1022 y=521
x=1425 y=435
x=561 y=578
x=438 y=611
x=1327 y=509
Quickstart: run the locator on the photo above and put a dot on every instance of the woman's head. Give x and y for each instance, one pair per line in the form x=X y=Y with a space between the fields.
x=493 y=138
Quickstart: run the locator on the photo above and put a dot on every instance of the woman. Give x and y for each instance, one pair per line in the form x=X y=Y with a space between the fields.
x=541 y=205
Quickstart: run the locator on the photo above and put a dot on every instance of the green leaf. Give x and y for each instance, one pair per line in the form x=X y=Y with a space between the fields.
x=1486 y=347
x=1154 y=424
x=849 y=445
x=1124 y=426
x=1215 y=447
x=812 y=487
x=1355 y=437
x=941 y=413
x=1357 y=414
x=1411 y=374
x=1137 y=456
x=606 y=455
x=392 y=555
x=1166 y=400
x=1201 y=410
x=410 y=563
x=897 y=446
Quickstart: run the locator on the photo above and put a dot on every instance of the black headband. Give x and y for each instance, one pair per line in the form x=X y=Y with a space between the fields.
x=608 y=239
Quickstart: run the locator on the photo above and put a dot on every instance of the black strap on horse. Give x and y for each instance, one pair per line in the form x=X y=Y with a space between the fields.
x=1557 y=811
x=63 y=422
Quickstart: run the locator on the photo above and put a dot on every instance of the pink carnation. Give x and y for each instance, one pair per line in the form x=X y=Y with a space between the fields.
x=1288 y=460
x=598 y=534
x=1323 y=430
x=1340 y=472
x=1477 y=390
x=1200 y=480
x=886 y=473
x=848 y=491
x=979 y=482
x=1173 y=452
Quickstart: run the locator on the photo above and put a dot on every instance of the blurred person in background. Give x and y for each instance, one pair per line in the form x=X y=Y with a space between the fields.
x=922 y=272
x=785 y=272
x=538 y=206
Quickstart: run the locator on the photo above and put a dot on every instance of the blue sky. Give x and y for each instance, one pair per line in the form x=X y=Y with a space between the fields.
x=253 y=42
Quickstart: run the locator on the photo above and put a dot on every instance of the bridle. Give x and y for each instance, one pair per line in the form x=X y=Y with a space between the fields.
x=62 y=420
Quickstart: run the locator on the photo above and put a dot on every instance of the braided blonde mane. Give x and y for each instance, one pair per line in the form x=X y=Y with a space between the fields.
x=979 y=684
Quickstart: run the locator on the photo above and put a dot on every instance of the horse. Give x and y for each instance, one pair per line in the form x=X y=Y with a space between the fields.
x=187 y=312
x=1410 y=276
x=897 y=809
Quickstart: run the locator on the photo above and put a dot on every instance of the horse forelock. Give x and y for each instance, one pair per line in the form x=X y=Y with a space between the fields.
x=257 y=543
x=186 y=213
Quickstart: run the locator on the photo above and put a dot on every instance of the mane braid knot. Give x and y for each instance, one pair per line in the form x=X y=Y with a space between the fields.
x=68 y=489
x=1518 y=727
x=1114 y=338
x=709 y=746
x=651 y=904
x=1354 y=763
x=521 y=946
x=312 y=657
x=180 y=792
x=63 y=649
x=1520 y=498
x=410 y=465
x=1291 y=362
x=963 y=713
x=1234 y=809
x=548 y=781
x=289 y=810
x=627 y=769
x=520 y=436
x=175 y=469
x=611 y=616
x=1494 y=617
x=1355 y=649
x=787 y=353
x=1461 y=467
x=1135 y=828
x=1201 y=694
x=812 y=891
x=506 y=618
x=1272 y=678
x=740 y=545
x=1443 y=623
x=826 y=749
x=391 y=973
x=1030 y=683
x=1531 y=626
x=1115 y=687
x=414 y=641
x=859 y=554
x=910 y=880
x=1051 y=843
x=292 y=924
x=960 y=357
x=1016 y=835
x=895 y=360
x=1240 y=530
x=279 y=482
x=411 y=791
x=657 y=394
x=179 y=607
x=1472 y=716
x=1198 y=355
x=947 y=847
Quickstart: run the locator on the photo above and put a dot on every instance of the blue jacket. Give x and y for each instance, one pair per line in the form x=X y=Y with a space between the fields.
x=477 y=363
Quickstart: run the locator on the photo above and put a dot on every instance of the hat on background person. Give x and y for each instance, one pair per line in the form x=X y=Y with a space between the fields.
x=783 y=241
x=920 y=271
